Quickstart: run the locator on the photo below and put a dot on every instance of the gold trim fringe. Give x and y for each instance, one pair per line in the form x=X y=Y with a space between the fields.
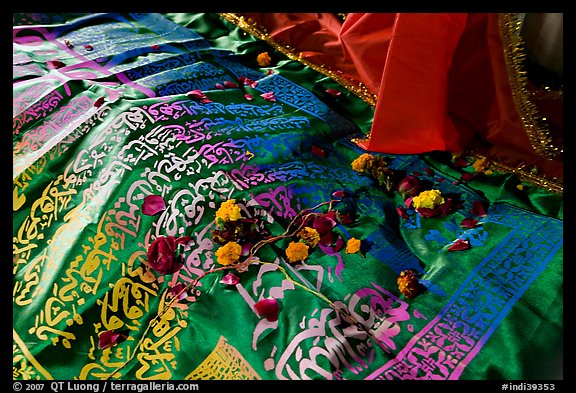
x=514 y=54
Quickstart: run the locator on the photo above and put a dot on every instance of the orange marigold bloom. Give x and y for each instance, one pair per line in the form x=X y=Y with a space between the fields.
x=263 y=59
x=229 y=211
x=353 y=245
x=409 y=285
x=362 y=162
x=309 y=236
x=229 y=253
x=297 y=251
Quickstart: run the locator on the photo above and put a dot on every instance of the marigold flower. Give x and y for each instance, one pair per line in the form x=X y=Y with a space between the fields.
x=353 y=245
x=263 y=59
x=229 y=253
x=429 y=199
x=297 y=251
x=408 y=284
x=309 y=236
x=361 y=163
x=229 y=211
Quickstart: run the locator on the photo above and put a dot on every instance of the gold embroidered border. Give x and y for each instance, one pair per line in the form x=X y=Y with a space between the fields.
x=514 y=54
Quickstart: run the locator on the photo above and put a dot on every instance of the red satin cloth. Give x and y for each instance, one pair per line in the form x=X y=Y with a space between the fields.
x=441 y=79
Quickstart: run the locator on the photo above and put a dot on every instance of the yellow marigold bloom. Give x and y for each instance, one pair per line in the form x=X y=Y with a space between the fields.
x=429 y=199
x=263 y=59
x=353 y=245
x=229 y=253
x=229 y=211
x=297 y=251
x=309 y=236
x=360 y=163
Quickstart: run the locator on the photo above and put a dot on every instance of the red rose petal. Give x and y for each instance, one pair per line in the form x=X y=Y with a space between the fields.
x=339 y=194
x=334 y=92
x=53 y=64
x=402 y=212
x=469 y=223
x=88 y=47
x=248 y=97
x=268 y=96
x=178 y=290
x=230 y=279
x=478 y=209
x=267 y=308
x=153 y=204
x=467 y=176
x=107 y=339
x=230 y=85
x=317 y=151
x=461 y=163
x=98 y=103
x=459 y=245
x=219 y=86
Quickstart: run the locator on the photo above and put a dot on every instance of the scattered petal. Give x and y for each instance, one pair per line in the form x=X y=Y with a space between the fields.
x=98 y=103
x=520 y=187
x=446 y=207
x=230 y=279
x=459 y=245
x=198 y=96
x=469 y=223
x=230 y=85
x=219 y=86
x=467 y=176
x=248 y=97
x=318 y=151
x=53 y=64
x=402 y=212
x=478 y=209
x=339 y=194
x=68 y=44
x=409 y=186
x=88 y=47
x=155 y=47
x=270 y=72
x=107 y=339
x=268 y=96
x=267 y=308
x=428 y=171
x=153 y=204
x=178 y=290
x=461 y=162
x=334 y=92
x=408 y=202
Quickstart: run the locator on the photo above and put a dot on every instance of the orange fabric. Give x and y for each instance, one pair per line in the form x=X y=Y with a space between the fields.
x=443 y=81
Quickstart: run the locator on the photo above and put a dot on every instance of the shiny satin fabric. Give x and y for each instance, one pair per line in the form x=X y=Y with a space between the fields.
x=103 y=116
x=442 y=81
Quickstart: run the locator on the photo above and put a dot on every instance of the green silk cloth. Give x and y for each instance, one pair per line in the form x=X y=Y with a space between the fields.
x=102 y=119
